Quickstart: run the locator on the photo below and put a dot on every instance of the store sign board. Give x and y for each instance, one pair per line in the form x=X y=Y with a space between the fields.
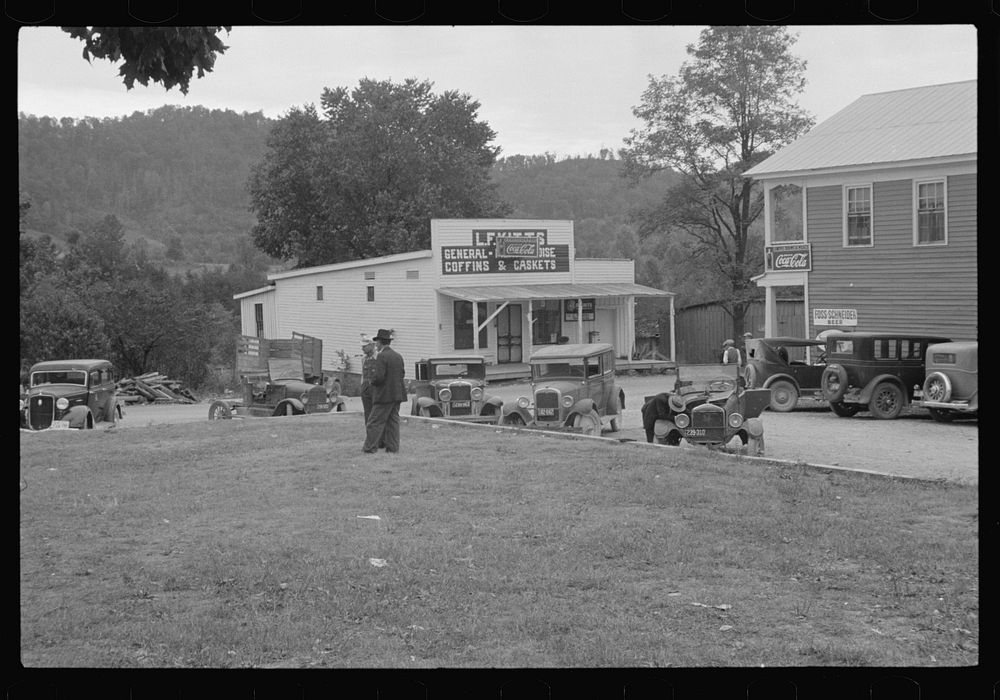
x=788 y=257
x=835 y=317
x=505 y=250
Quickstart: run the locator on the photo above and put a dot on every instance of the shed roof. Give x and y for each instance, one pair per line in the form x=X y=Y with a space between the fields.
x=929 y=122
x=502 y=292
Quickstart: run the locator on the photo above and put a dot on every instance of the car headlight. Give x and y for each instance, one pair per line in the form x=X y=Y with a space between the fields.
x=523 y=402
x=682 y=420
x=735 y=420
x=62 y=403
x=477 y=394
x=444 y=395
x=567 y=401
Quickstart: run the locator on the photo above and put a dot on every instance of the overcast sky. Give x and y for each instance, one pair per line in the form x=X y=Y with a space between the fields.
x=567 y=90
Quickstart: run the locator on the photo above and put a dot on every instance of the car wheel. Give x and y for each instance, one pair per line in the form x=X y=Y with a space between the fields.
x=942 y=415
x=784 y=396
x=750 y=376
x=219 y=411
x=887 y=401
x=588 y=423
x=844 y=410
x=833 y=382
x=937 y=387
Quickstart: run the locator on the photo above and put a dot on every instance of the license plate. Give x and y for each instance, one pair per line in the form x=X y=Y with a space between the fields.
x=546 y=411
x=461 y=404
x=694 y=432
x=60 y=425
x=323 y=406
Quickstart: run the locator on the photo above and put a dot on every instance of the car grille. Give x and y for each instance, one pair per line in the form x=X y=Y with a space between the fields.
x=708 y=416
x=461 y=399
x=317 y=396
x=41 y=411
x=547 y=406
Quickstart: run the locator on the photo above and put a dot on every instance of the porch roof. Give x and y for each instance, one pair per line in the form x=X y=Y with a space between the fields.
x=503 y=292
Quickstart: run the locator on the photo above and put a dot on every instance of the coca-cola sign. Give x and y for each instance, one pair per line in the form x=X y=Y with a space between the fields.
x=797 y=258
x=516 y=247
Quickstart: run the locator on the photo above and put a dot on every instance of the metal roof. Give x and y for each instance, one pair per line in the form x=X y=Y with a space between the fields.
x=502 y=292
x=570 y=350
x=934 y=121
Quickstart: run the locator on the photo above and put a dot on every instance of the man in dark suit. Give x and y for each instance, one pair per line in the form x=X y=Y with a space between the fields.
x=388 y=391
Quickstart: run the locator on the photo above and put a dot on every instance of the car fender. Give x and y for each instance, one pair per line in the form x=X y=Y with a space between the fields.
x=780 y=378
x=581 y=407
x=525 y=416
x=866 y=393
x=754 y=427
x=77 y=416
x=755 y=401
x=493 y=401
x=426 y=403
x=295 y=403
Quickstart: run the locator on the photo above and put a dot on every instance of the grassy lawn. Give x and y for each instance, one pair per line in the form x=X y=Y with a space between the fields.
x=277 y=542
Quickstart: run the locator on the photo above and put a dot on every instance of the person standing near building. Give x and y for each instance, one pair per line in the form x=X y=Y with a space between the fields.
x=367 y=374
x=730 y=355
x=388 y=391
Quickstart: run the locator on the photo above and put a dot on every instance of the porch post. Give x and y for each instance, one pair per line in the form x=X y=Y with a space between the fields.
x=673 y=331
x=475 y=326
x=579 y=320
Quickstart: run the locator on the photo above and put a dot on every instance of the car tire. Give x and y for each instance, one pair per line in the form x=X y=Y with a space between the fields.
x=750 y=376
x=887 y=401
x=942 y=415
x=784 y=396
x=937 y=387
x=845 y=410
x=833 y=383
x=219 y=411
x=589 y=423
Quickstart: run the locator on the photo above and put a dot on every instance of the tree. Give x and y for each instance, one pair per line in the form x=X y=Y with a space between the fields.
x=731 y=106
x=166 y=55
x=366 y=177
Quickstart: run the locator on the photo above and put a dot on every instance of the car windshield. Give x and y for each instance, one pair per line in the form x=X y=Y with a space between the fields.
x=561 y=368
x=68 y=376
x=463 y=370
x=711 y=378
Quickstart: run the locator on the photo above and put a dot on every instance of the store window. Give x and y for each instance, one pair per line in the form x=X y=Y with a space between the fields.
x=930 y=213
x=548 y=322
x=319 y=292
x=858 y=216
x=464 y=324
x=371 y=293
x=258 y=315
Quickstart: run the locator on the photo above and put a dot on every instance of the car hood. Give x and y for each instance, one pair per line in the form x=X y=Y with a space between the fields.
x=58 y=390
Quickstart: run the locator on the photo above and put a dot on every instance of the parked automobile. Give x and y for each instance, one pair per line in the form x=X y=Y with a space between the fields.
x=283 y=396
x=951 y=386
x=71 y=394
x=878 y=372
x=572 y=386
x=710 y=405
x=782 y=365
x=454 y=386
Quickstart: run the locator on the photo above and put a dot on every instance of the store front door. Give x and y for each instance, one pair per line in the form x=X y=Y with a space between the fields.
x=509 y=335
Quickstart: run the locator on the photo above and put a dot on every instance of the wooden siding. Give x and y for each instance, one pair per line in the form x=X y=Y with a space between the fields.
x=248 y=319
x=894 y=285
x=402 y=304
x=589 y=270
x=701 y=329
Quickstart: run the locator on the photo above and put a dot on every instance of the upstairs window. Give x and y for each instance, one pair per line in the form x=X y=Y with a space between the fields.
x=858 y=216
x=930 y=213
x=319 y=292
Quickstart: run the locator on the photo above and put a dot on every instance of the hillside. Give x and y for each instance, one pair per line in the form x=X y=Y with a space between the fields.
x=175 y=178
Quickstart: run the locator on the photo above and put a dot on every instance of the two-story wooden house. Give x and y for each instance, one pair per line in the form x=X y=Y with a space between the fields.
x=872 y=216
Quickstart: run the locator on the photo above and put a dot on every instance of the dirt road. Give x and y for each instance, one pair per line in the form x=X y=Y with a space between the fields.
x=913 y=445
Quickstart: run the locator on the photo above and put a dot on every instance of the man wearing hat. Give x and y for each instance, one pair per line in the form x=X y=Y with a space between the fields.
x=388 y=391
x=367 y=373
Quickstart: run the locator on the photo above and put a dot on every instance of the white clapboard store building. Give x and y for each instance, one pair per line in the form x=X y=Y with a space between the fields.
x=515 y=281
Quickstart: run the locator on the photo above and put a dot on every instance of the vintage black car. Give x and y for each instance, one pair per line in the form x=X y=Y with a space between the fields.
x=951 y=387
x=878 y=372
x=710 y=405
x=282 y=396
x=71 y=394
x=572 y=386
x=782 y=365
x=454 y=386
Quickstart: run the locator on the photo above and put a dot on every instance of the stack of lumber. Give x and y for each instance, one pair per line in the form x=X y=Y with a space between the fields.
x=151 y=387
